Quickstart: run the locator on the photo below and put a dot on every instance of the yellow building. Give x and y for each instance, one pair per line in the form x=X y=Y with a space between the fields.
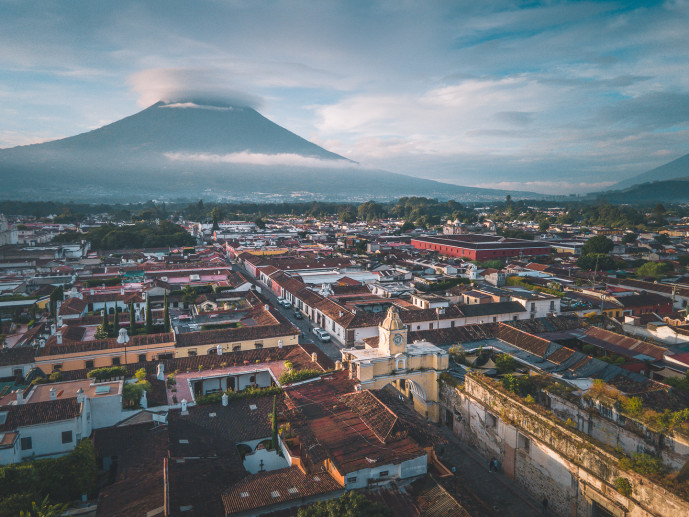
x=414 y=369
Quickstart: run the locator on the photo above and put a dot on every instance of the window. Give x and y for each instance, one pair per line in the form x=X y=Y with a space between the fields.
x=115 y=361
x=491 y=420
x=18 y=372
x=166 y=356
x=495 y=318
x=383 y=474
x=212 y=351
x=258 y=345
x=523 y=442
x=236 y=348
x=191 y=353
x=430 y=326
x=452 y=323
x=57 y=367
x=88 y=364
x=351 y=480
x=26 y=444
x=252 y=379
x=66 y=436
x=142 y=358
x=552 y=305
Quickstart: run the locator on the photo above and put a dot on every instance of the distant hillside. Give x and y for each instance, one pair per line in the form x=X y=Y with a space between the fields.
x=678 y=168
x=186 y=150
x=670 y=191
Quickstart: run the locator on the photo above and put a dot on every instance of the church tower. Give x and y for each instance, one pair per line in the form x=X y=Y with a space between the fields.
x=392 y=334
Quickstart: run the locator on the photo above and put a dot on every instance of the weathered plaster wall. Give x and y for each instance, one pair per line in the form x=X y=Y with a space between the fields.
x=549 y=459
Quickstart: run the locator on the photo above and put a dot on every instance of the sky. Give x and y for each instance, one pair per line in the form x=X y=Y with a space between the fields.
x=552 y=97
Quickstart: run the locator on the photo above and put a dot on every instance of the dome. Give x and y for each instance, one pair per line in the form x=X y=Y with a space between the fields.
x=392 y=321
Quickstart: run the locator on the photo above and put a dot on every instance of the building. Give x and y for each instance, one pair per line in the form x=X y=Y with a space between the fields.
x=481 y=247
x=414 y=369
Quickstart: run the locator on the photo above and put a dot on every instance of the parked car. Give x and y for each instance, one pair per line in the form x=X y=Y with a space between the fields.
x=298 y=315
x=285 y=303
x=321 y=333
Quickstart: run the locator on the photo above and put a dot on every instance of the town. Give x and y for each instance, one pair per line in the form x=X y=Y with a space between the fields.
x=411 y=358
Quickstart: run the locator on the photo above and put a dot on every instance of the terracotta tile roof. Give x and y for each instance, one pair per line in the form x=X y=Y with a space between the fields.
x=16 y=356
x=277 y=487
x=455 y=335
x=373 y=412
x=138 y=487
x=622 y=345
x=329 y=429
x=72 y=347
x=523 y=340
x=40 y=413
x=72 y=306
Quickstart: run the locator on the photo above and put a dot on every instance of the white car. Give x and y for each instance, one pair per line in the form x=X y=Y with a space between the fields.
x=321 y=333
x=285 y=303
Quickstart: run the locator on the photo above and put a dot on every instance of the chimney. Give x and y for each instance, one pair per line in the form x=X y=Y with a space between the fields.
x=53 y=329
x=225 y=399
x=143 y=295
x=160 y=372
x=314 y=357
x=279 y=343
x=218 y=349
x=53 y=393
x=267 y=307
x=20 y=397
x=93 y=291
x=184 y=407
x=59 y=321
x=80 y=396
x=59 y=337
x=122 y=291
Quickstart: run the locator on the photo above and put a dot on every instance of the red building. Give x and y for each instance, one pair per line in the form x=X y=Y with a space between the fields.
x=473 y=246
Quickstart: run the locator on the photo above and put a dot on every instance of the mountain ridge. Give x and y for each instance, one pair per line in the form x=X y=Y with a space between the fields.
x=229 y=152
x=678 y=168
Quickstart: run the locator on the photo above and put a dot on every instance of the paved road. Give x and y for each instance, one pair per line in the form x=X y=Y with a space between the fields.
x=331 y=349
x=496 y=490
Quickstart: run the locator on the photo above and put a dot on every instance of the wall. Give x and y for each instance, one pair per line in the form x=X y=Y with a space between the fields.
x=548 y=459
x=411 y=468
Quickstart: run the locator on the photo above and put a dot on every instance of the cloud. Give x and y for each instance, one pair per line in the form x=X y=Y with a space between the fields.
x=247 y=158
x=548 y=187
x=206 y=87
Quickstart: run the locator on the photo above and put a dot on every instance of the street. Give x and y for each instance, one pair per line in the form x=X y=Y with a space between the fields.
x=331 y=348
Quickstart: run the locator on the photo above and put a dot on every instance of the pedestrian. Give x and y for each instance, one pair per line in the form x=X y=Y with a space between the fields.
x=495 y=465
x=491 y=463
x=454 y=469
x=545 y=506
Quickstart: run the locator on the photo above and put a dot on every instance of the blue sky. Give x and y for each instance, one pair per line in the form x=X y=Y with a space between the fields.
x=544 y=96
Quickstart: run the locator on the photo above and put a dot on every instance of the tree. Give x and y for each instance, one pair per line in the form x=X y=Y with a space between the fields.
x=505 y=363
x=166 y=314
x=597 y=244
x=543 y=226
x=101 y=332
x=658 y=214
x=408 y=226
x=216 y=214
x=351 y=504
x=260 y=223
x=662 y=239
x=116 y=323
x=347 y=215
x=132 y=320
x=653 y=270
x=149 y=316
x=274 y=419
x=596 y=262
x=105 y=324
x=629 y=238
